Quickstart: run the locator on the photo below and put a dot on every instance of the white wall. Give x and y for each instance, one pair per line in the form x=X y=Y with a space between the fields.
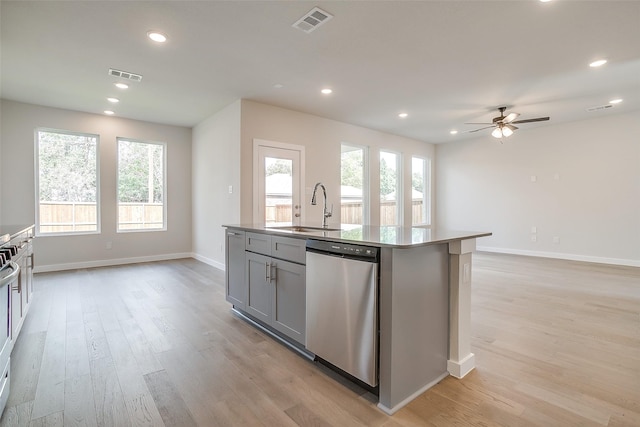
x=587 y=190
x=55 y=252
x=322 y=139
x=216 y=166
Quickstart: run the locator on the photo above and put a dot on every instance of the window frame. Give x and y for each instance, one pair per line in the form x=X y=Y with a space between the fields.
x=399 y=188
x=164 y=186
x=366 y=193
x=426 y=194
x=39 y=233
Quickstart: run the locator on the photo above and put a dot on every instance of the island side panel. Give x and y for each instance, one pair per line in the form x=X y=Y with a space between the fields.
x=414 y=322
x=461 y=360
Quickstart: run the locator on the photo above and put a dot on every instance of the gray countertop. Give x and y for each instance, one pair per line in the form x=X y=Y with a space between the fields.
x=387 y=236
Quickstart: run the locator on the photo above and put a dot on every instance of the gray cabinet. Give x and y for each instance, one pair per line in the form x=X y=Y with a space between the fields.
x=275 y=277
x=259 y=286
x=236 y=287
x=288 y=299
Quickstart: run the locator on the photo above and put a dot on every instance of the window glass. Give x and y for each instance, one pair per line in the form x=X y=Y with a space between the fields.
x=141 y=186
x=66 y=182
x=278 y=189
x=390 y=191
x=353 y=188
x=420 y=195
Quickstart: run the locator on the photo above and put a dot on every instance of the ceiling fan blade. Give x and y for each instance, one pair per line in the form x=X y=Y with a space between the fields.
x=476 y=123
x=539 y=119
x=476 y=130
x=510 y=117
x=510 y=126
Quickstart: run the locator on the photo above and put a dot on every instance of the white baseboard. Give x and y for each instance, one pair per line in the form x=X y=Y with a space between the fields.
x=558 y=255
x=211 y=262
x=396 y=408
x=109 y=262
x=463 y=367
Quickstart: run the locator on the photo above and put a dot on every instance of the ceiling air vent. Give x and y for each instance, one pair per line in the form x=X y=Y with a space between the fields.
x=599 y=107
x=312 y=20
x=125 y=75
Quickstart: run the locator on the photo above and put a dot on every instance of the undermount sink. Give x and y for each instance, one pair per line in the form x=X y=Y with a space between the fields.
x=302 y=229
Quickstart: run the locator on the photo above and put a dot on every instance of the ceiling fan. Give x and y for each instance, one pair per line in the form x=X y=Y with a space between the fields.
x=504 y=125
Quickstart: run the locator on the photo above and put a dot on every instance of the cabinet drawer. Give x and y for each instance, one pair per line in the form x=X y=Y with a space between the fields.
x=288 y=249
x=258 y=243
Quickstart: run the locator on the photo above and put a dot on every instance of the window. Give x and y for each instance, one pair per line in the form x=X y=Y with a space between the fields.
x=66 y=182
x=390 y=189
x=141 y=186
x=420 y=194
x=354 y=192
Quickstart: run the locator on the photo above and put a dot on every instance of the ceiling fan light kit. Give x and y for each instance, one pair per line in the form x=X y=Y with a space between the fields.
x=503 y=125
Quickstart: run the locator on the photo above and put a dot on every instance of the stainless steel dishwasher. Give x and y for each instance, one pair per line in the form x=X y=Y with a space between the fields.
x=342 y=307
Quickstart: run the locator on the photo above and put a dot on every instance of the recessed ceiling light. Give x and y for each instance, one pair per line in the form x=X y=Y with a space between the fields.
x=121 y=85
x=326 y=91
x=114 y=100
x=403 y=115
x=598 y=63
x=157 y=37
x=545 y=1
x=615 y=101
x=109 y=112
x=278 y=85
x=453 y=132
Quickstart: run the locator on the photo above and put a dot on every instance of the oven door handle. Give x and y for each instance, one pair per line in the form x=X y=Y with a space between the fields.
x=11 y=277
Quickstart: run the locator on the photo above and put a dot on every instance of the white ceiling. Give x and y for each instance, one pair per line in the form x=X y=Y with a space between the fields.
x=443 y=62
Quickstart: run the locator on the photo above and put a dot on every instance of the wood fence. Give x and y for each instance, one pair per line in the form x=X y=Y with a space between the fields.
x=350 y=213
x=62 y=217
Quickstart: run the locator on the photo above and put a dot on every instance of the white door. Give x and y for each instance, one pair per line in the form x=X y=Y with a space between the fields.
x=278 y=170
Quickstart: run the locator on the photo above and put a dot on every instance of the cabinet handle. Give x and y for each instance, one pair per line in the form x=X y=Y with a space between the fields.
x=275 y=267
x=231 y=233
x=267 y=272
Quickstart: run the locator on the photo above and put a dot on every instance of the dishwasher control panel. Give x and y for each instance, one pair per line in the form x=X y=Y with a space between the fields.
x=345 y=249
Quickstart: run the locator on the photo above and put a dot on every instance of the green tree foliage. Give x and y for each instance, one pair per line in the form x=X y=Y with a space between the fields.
x=279 y=166
x=352 y=167
x=136 y=162
x=67 y=167
x=417 y=181
x=388 y=180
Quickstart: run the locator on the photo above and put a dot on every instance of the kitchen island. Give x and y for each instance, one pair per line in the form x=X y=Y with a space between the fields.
x=423 y=302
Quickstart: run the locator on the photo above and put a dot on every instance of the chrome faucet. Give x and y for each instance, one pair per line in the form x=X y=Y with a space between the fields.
x=325 y=213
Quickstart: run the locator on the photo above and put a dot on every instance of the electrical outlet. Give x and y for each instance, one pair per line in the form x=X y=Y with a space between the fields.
x=534 y=178
x=109 y=245
x=231 y=189
x=556 y=239
x=534 y=238
x=534 y=229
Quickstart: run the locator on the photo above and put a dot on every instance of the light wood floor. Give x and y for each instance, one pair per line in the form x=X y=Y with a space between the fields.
x=557 y=343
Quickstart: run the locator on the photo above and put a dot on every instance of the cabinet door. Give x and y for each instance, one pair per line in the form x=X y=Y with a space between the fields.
x=289 y=299
x=258 y=302
x=236 y=286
